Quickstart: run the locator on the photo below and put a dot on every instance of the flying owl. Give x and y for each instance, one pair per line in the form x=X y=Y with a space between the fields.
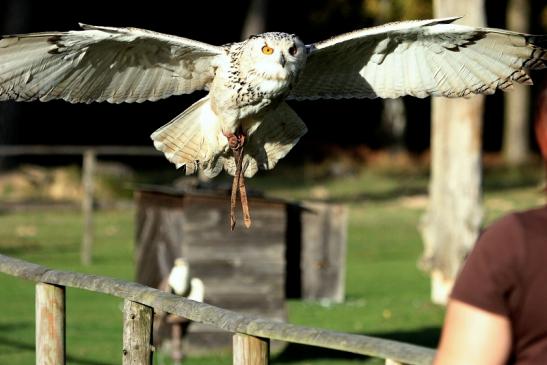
x=244 y=124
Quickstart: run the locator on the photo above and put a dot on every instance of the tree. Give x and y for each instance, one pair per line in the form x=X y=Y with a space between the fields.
x=517 y=103
x=255 y=22
x=394 y=120
x=451 y=224
x=390 y=10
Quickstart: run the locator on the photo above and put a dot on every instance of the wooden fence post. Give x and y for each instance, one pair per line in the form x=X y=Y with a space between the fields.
x=88 y=172
x=50 y=324
x=137 y=333
x=249 y=350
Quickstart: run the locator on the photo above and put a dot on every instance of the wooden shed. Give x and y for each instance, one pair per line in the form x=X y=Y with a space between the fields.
x=291 y=250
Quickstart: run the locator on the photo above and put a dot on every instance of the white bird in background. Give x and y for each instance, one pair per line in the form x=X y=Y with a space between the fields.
x=180 y=283
x=197 y=290
x=179 y=277
x=244 y=124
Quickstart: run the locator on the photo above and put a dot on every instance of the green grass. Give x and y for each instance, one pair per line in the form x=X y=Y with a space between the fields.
x=52 y=239
x=386 y=294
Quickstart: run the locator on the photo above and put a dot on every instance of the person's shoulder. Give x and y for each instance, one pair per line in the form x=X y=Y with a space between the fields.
x=532 y=217
x=511 y=232
x=506 y=229
x=494 y=265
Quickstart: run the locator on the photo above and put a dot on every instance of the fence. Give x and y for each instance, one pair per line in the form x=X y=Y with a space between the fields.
x=251 y=334
x=89 y=161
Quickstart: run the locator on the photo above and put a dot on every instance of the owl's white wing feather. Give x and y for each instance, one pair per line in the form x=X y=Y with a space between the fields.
x=419 y=58
x=272 y=136
x=103 y=64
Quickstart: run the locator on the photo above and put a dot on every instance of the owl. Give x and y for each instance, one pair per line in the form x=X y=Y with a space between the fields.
x=244 y=124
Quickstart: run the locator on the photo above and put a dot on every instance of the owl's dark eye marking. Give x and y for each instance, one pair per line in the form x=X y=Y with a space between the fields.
x=293 y=50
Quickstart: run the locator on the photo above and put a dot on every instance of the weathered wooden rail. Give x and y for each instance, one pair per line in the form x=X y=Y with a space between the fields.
x=251 y=334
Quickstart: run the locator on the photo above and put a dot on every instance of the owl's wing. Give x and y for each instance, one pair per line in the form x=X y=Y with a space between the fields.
x=419 y=58
x=103 y=64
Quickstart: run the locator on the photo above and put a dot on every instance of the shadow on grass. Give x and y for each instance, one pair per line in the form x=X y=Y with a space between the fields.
x=16 y=248
x=388 y=195
x=8 y=327
x=428 y=337
x=18 y=345
x=20 y=247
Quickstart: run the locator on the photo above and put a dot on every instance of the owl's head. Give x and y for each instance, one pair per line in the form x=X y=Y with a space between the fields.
x=276 y=56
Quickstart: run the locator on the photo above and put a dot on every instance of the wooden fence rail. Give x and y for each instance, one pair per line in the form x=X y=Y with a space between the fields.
x=251 y=333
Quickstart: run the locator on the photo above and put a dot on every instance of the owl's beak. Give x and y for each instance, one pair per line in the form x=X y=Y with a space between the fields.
x=282 y=60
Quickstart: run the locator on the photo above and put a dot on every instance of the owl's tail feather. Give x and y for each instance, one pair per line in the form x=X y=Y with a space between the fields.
x=192 y=139
x=276 y=134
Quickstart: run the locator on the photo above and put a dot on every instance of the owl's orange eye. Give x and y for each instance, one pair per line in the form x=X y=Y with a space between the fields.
x=267 y=50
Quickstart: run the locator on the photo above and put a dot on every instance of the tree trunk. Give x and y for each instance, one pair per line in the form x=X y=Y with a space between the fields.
x=517 y=103
x=394 y=121
x=255 y=22
x=451 y=224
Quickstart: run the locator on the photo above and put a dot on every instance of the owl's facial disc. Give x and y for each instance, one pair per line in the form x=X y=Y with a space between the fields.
x=269 y=51
x=292 y=50
x=276 y=56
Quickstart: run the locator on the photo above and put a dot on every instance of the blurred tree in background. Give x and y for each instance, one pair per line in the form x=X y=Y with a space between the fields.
x=394 y=115
x=392 y=10
x=516 y=146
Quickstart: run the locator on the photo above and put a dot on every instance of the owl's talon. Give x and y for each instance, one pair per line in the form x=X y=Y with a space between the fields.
x=238 y=184
x=235 y=140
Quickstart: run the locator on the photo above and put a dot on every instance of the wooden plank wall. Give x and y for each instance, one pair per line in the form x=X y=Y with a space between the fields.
x=323 y=259
x=159 y=234
x=291 y=250
x=243 y=270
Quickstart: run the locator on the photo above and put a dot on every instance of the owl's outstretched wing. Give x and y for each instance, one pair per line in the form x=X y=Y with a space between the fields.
x=103 y=64
x=419 y=58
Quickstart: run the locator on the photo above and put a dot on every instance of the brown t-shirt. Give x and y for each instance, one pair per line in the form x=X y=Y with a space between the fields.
x=506 y=273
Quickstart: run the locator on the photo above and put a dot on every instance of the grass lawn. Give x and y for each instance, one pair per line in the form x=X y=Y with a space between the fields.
x=386 y=294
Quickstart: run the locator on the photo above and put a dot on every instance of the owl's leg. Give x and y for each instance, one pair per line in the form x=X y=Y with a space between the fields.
x=236 y=142
x=238 y=184
x=243 y=194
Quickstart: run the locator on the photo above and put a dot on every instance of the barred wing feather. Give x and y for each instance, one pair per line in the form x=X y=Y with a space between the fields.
x=419 y=58
x=103 y=64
